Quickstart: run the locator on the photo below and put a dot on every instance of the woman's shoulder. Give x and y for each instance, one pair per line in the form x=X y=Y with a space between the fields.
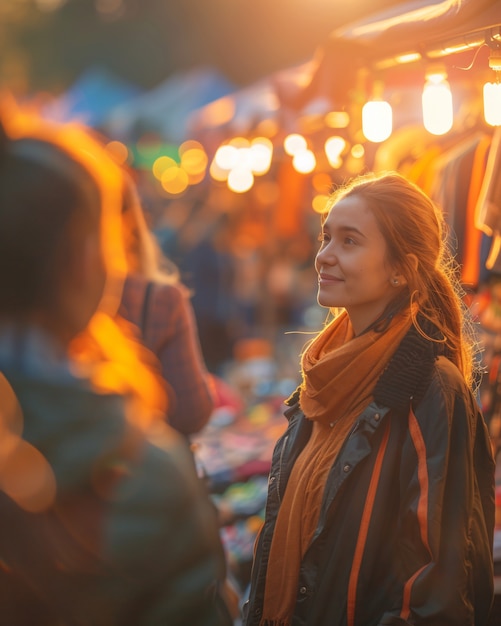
x=169 y=301
x=447 y=392
x=160 y=295
x=448 y=376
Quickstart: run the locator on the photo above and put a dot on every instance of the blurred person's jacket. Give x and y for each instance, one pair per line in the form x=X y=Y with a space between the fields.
x=129 y=537
x=164 y=316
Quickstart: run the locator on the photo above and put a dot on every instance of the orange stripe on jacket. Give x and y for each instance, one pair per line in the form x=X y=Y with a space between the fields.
x=364 y=528
x=422 y=510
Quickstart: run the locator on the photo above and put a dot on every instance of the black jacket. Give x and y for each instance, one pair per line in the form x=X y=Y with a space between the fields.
x=405 y=532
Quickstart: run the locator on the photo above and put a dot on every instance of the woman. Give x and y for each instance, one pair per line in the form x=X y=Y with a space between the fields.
x=380 y=506
x=155 y=301
x=103 y=521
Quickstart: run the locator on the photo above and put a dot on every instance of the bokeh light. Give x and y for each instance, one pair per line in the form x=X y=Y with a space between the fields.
x=304 y=161
x=240 y=180
x=293 y=143
x=319 y=203
x=161 y=165
x=174 y=180
x=119 y=151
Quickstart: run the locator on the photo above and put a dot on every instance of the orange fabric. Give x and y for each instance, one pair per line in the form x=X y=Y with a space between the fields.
x=340 y=372
x=364 y=529
x=422 y=171
x=470 y=272
x=422 y=511
x=288 y=212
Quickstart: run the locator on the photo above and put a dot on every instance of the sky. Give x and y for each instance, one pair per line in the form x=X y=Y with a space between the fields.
x=146 y=41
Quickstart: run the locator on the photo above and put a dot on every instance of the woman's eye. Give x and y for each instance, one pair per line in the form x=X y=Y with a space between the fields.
x=349 y=241
x=323 y=237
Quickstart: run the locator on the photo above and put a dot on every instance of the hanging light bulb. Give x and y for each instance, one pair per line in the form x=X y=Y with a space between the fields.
x=438 y=112
x=377 y=116
x=304 y=161
x=492 y=92
x=334 y=147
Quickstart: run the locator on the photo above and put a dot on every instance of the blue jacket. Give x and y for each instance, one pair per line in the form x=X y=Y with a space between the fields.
x=405 y=532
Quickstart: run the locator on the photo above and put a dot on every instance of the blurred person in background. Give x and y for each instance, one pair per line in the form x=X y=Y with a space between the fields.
x=103 y=520
x=380 y=507
x=207 y=268
x=157 y=303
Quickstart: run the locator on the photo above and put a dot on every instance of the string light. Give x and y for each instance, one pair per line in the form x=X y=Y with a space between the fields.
x=334 y=147
x=492 y=92
x=377 y=116
x=438 y=114
x=294 y=143
x=304 y=161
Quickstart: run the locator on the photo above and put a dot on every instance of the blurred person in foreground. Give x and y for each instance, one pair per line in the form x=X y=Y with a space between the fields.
x=158 y=304
x=102 y=518
x=380 y=508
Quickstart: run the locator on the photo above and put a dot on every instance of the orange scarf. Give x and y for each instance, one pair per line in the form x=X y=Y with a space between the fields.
x=340 y=372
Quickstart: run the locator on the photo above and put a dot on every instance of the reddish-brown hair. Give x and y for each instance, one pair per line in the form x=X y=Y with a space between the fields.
x=412 y=224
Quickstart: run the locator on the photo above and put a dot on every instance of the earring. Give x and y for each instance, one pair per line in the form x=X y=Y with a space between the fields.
x=395 y=281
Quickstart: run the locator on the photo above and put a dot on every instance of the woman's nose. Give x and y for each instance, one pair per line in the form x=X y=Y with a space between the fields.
x=327 y=255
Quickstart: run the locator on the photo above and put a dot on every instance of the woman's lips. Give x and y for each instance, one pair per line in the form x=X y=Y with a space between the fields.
x=327 y=278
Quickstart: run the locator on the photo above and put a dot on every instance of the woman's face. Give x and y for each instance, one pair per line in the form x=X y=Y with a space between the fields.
x=353 y=271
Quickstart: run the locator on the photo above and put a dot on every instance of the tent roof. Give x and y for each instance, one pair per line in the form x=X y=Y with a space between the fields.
x=431 y=30
x=90 y=99
x=165 y=109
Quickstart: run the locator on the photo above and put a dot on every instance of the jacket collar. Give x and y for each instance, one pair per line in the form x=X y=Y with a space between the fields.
x=408 y=373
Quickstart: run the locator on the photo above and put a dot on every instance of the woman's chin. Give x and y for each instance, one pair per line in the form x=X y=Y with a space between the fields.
x=326 y=302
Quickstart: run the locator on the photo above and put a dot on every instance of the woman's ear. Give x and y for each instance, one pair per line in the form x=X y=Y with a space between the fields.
x=398 y=280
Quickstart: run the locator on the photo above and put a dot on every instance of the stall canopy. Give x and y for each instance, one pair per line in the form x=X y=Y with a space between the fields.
x=92 y=97
x=411 y=34
x=165 y=109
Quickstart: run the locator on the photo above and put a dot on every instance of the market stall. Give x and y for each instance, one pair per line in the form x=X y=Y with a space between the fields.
x=389 y=59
